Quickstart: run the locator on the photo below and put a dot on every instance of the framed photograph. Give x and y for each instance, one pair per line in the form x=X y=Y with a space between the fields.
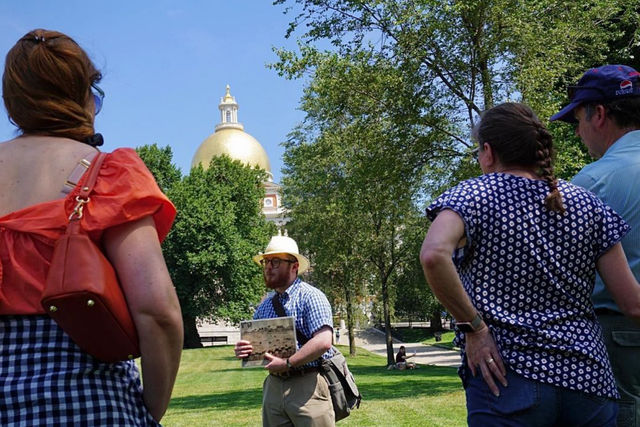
x=276 y=336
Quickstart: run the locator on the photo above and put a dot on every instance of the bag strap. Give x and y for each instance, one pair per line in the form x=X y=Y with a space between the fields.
x=83 y=197
x=92 y=175
x=78 y=171
x=279 y=309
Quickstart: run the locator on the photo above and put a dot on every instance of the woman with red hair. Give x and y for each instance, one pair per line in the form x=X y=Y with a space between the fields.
x=50 y=90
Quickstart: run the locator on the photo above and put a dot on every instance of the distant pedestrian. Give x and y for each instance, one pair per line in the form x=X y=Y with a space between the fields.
x=337 y=335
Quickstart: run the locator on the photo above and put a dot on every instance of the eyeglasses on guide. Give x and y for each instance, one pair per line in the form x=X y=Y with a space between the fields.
x=275 y=262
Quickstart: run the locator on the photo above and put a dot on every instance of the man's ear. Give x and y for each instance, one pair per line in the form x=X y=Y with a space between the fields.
x=599 y=116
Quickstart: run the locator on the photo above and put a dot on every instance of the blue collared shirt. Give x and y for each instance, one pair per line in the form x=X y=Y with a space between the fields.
x=307 y=304
x=615 y=178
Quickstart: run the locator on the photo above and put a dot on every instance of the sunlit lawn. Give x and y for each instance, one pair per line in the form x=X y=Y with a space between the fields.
x=213 y=390
x=446 y=340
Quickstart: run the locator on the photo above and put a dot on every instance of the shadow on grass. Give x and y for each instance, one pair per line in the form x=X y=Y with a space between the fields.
x=428 y=381
x=426 y=371
x=412 y=388
x=245 y=399
x=392 y=384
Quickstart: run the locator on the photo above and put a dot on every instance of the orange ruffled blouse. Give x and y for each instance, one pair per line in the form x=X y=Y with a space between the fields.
x=125 y=191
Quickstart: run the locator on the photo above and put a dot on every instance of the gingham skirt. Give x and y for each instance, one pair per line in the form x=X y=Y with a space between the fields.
x=45 y=379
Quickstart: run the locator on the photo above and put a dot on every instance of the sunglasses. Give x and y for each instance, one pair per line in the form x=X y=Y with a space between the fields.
x=275 y=262
x=98 y=97
x=572 y=90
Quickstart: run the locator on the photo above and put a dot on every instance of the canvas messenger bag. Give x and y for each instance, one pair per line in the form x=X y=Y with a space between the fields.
x=342 y=386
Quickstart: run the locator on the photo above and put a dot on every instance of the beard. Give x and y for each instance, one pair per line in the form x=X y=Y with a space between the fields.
x=275 y=279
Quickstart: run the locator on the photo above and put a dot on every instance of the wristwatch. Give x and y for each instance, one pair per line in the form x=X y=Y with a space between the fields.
x=289 y=364
x=474 y=325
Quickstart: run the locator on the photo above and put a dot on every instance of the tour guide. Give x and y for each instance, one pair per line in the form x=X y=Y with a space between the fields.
x=294 y=393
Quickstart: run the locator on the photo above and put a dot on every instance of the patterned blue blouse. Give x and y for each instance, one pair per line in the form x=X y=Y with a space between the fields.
x=308 y=305
x=530 y=273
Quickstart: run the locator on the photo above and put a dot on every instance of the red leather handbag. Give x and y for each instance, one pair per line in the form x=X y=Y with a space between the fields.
x=82 y=293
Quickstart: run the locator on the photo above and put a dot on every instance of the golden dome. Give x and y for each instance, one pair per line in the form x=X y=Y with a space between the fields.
x=230 y=138
x=235 y=143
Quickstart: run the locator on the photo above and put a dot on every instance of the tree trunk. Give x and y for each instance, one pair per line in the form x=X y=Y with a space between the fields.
x=352 y=338
x=436 y=321
x=387 y=322
x=191 y=337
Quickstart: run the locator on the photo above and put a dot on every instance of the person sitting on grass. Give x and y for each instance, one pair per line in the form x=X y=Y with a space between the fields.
x=401 y=359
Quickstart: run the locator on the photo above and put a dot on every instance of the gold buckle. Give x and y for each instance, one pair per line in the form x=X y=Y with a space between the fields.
x=77 y=211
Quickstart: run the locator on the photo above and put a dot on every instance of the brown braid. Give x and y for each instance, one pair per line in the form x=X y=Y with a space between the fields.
x=544 y=153
x=519 y=139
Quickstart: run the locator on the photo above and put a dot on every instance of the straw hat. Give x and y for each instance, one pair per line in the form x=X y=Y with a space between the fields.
x=284 y=245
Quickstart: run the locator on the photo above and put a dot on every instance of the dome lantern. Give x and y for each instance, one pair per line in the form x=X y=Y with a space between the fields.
x=228 y=112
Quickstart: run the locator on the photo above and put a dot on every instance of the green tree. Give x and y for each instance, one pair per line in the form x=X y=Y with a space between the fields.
x=391 y=100
x=352 y=176
x=159 y=161
x=218 y=228
x=324 y=227
x=462 y=57
x=414 y=300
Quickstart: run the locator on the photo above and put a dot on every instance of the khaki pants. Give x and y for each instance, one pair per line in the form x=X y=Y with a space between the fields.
x=302 y=401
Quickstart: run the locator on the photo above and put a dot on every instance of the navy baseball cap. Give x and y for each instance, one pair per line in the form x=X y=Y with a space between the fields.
x=604 y=83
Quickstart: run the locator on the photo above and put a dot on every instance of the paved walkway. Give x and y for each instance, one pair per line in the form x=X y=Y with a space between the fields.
x=373 y=340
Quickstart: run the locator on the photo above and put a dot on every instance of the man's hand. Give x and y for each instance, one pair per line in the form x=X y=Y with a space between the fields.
x=243 y=349
x=276 y=364
x=483 y=353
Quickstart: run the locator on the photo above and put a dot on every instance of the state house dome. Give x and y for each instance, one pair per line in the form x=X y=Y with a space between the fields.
x=230 y=138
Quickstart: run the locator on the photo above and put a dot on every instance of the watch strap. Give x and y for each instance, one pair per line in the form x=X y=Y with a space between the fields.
x=472 y=326
x=476 y=322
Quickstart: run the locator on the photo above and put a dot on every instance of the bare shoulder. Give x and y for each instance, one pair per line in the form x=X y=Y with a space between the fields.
x=33 y=169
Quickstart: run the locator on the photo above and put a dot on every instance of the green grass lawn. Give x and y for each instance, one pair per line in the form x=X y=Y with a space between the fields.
x=213 y=390
x=425 y=336
x=445 y=342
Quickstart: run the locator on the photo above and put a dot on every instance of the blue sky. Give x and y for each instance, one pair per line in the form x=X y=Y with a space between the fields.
x=166 y=65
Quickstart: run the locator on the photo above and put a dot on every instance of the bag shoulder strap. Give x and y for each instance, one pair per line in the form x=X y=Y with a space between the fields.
x=92 y=175
x=78 y=171
x=83 y=196
x=279 y=309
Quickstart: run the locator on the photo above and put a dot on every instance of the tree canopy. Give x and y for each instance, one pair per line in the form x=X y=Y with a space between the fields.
x=393 y=88
x=218 y=228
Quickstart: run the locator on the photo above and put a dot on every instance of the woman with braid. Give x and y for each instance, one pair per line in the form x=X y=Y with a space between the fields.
x=525 y=249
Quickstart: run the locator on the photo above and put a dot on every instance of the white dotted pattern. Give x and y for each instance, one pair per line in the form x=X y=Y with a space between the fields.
x=530 y=273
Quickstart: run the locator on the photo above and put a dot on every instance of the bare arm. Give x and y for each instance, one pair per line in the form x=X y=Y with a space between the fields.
x=620 y=282
x=435 y=256
x=312 y=350
x=135 y=253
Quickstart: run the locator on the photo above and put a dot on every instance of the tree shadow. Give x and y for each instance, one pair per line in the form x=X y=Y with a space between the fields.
x=409 y=388
x=387 y=384
x=245 y=399
x=427 y=371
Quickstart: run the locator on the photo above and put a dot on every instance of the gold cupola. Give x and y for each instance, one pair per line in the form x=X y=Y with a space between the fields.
x=230 y=138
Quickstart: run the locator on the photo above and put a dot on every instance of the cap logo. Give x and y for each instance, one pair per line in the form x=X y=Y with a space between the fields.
x=626 y=87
